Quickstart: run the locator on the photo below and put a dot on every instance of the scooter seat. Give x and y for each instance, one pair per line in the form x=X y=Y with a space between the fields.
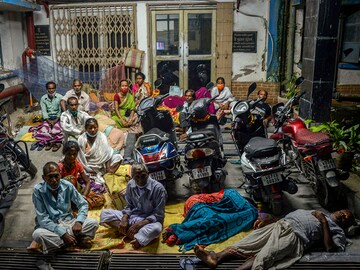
x=201 y=135
x=304 y=136
x=259 y=147
x=153 y=137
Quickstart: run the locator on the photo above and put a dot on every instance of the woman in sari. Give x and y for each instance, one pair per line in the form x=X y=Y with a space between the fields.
x=96 y=155
x=140 y=89
x=73 y=171
x=124 y=107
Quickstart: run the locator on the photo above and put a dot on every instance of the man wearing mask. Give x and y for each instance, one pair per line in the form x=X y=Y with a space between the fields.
x=56 y=225
x=49 y=133
x=72 y=120
x=83 y=98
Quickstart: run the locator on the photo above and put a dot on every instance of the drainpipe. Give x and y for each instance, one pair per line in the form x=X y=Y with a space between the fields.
x=290 y=44
x=13 y=90
x=30 y=29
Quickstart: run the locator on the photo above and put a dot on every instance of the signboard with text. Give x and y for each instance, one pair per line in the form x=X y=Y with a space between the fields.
x=42 y=39
x=244 y=41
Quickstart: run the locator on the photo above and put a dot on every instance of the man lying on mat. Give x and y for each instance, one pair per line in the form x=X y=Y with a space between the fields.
x=143 y=216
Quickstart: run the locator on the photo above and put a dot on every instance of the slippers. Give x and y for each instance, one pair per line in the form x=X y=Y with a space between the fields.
x=48 y=147
x=34 y=146
x=40 y=147
x=189 y=263
x=56 y=146
x=236 y=161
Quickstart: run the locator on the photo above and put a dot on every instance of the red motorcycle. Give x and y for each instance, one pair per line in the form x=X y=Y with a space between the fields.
x=309 y=151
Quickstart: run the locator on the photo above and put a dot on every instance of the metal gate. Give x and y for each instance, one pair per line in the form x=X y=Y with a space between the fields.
x=91 y=38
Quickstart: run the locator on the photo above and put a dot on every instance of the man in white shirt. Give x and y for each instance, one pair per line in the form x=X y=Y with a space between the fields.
x=72 y=120
x=83 y=98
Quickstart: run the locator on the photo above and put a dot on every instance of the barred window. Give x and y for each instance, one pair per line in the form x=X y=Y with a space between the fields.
x=91 y=38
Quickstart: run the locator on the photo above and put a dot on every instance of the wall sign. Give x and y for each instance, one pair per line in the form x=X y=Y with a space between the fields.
x=42 y=39
x=244 y=41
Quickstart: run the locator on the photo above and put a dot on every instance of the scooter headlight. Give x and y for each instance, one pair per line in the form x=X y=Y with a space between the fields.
x=241 y=108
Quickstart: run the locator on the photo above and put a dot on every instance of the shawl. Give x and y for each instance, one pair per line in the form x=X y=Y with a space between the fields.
x=206 y=223
x=94 y=160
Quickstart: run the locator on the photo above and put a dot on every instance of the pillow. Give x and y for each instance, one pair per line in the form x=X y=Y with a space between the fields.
x=93 y=97
x=108 y=96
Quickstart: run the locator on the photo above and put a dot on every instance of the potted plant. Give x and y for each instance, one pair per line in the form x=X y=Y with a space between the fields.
x=346 y=141
x=290 y=89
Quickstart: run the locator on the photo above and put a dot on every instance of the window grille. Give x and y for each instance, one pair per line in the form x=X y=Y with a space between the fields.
x=92 y=38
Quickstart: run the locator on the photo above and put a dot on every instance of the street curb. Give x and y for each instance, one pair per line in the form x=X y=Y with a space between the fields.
x=352 y=189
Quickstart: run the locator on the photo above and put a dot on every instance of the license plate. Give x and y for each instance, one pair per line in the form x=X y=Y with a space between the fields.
x=158 y=176
x=201 y=172
x=271 y=179
x=327 y=164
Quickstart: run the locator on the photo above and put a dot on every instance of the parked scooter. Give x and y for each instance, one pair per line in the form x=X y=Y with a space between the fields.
x=247 y=121
x=157 y=148
x=204 y=155
x=263 y=164
x=13 y=160
x=309 y=151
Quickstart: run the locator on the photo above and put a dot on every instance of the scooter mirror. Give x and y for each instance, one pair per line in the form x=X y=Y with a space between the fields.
x=251 y=89
x=299 y=81
x=209 y=85
x=2 y=87
x=158 y=83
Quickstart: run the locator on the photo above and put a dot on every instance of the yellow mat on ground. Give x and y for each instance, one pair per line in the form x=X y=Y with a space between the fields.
x=106 y=238
x=109 y=239
x=27 y=137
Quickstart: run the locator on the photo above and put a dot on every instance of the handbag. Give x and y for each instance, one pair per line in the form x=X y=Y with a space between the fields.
x=133 y=58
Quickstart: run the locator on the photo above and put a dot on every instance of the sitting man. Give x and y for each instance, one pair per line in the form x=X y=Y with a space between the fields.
x=56 y=226
x=264 y=106
x=282 y=243
x=143 y=216
x=190 y=96
x=83 y=98
x=72 y=120
x=49 y=133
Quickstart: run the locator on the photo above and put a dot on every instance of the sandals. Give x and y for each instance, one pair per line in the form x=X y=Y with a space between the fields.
x=40 y=147
x=56 y=146
x=85 y=242
x=48 y=147
x=189 y=263
x=34 y=146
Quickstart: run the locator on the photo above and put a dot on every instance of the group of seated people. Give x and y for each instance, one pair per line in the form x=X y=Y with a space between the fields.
x=64 y=116
x=74 y=185
x=273 y=243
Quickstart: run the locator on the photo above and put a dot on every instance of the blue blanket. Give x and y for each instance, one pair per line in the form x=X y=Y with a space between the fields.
x=208 y=223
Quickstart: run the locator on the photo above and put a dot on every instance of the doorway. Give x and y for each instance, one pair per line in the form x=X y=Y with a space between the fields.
x=183 y=48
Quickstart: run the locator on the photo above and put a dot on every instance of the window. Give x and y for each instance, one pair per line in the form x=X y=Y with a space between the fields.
x=350 y=51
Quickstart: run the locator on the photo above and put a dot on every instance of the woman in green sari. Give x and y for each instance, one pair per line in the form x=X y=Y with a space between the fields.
x=124 y=105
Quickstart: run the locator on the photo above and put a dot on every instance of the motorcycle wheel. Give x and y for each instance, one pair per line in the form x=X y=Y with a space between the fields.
x=276 y=207
x=32 y=170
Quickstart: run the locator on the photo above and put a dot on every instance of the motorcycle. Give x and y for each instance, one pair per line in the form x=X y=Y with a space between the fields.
x=13 y=160
x=263 y=164
x=204 y=154
x=247 y=121
x=309 y=151
x=157 y=147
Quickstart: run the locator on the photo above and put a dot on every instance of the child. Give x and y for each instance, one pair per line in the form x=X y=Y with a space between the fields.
x=71 y=168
